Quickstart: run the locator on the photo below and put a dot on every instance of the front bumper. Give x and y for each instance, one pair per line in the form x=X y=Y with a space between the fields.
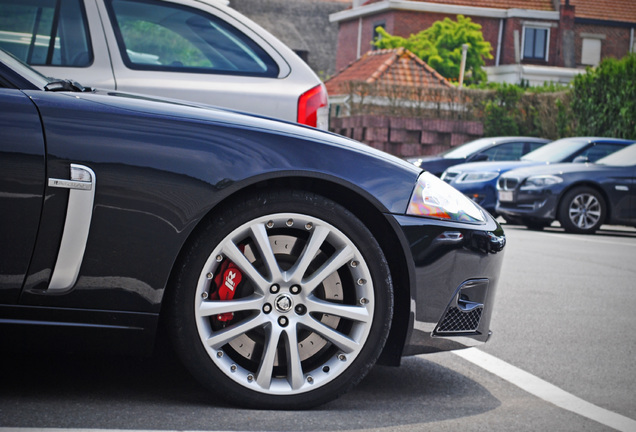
x=456 y=269
x=530 y=206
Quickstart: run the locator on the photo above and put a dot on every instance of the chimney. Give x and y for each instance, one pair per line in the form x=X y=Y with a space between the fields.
x=567 y=57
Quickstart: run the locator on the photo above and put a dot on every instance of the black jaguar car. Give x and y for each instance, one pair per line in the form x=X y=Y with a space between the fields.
x=283 y=261
x=581 y=197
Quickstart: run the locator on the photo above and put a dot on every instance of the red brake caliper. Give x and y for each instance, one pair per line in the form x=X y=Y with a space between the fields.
x=227 y=280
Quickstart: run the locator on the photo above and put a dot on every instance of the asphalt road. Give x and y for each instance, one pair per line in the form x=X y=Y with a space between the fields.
x=564 y=314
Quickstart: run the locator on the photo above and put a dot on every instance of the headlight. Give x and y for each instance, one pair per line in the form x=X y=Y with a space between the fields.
x=477 y=177
x=540 y=182
x=434 y=198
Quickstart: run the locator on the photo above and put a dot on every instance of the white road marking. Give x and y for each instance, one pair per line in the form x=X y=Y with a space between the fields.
x=546 y=391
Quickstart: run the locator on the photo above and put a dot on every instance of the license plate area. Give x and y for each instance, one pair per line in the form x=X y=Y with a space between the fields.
x=506 y=196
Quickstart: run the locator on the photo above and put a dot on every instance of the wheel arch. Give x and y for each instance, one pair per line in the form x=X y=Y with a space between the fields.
x=366 y=208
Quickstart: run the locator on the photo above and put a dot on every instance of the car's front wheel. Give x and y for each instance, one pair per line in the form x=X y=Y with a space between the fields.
x=582 y=210
x=284 y=301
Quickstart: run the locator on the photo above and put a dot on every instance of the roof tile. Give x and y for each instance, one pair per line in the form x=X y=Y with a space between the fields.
x=544 y=5
x=388 y=67
x=609 y=10
x=606 y=10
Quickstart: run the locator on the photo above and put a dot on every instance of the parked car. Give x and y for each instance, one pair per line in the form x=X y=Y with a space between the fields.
x=283 y=260
x=581 y=197
x=479 y=180
x=196 y=50
x=480 y=150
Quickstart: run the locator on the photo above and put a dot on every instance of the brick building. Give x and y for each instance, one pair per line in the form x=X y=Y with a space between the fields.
x=533 y=40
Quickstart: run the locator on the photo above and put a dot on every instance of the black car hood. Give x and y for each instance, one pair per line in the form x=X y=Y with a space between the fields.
x=194 y=111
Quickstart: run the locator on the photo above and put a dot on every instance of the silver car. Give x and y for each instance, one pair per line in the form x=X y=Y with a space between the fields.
x=196 y=50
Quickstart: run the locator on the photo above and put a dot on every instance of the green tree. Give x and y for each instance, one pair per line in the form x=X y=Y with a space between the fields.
x=441 y=47
x=604 y=99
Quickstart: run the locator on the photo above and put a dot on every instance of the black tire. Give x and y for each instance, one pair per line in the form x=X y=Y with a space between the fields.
x=535 y=225
x=512 y=220
x=582 y=210
x=290 y=342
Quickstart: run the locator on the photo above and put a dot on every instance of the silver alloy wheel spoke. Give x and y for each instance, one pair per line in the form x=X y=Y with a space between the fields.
x=340 y=340
x=217 y=307
x=338 y=259
x=308 y=254
x=259 y=234
x=355 y=313
x=234 y=254
x=294 y=367
x=222 y=337
x=264 y=374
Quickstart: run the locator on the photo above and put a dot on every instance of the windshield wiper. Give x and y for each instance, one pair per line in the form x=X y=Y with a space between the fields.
x=66 y=85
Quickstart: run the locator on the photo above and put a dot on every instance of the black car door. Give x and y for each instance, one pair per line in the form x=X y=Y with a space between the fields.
x=22 y=181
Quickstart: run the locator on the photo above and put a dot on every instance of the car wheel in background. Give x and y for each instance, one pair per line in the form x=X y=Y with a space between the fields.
x=283 y=300
x=582 y=210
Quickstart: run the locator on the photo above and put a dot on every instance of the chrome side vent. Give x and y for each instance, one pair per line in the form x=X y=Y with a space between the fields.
x=79 y=212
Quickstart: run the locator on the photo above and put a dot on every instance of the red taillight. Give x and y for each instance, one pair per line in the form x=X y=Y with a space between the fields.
x=309 y=103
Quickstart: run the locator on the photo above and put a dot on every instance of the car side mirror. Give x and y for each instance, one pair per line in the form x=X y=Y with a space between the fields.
x=581 y=159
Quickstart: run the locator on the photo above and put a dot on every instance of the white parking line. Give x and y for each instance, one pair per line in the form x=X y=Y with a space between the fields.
x=546 y=391
x=522 y=379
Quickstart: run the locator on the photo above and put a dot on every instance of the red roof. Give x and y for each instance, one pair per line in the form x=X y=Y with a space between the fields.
x=396 y=66
x=544 y=5
x=605 y=10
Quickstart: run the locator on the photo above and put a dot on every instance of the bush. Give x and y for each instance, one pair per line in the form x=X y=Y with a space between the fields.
x=604 y=99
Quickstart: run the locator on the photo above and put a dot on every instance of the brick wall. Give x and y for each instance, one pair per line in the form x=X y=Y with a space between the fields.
x=346 y=51
x=407 y=136
x=403 y=23
x=615 y=43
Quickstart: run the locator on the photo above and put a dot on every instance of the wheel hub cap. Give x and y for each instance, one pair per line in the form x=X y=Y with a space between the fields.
x=284 y=303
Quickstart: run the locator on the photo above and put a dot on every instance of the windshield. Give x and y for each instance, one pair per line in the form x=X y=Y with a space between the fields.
x=34 y=77
x=467 y=149
x=624 y=157
x=556 y=151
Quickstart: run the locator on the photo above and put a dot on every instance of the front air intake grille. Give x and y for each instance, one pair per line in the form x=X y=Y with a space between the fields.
x=449 y=176
x=507 y=183
x=459 y=321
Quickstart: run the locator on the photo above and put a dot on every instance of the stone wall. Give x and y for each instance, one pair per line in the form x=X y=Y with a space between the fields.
x=302 y=25
x=404 y=137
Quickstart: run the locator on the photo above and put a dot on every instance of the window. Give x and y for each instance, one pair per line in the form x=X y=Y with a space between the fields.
x=591 y=50
x=533 y=146
x=170 y=37
x=598 y=151
x=46 y=32
x=504 y=152
x=535 y=43
x=376 y=35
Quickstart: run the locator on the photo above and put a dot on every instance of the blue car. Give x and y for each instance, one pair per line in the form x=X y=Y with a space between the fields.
x=282 y=261
x=478 y=180
x=581 y=197
x=479 y=150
